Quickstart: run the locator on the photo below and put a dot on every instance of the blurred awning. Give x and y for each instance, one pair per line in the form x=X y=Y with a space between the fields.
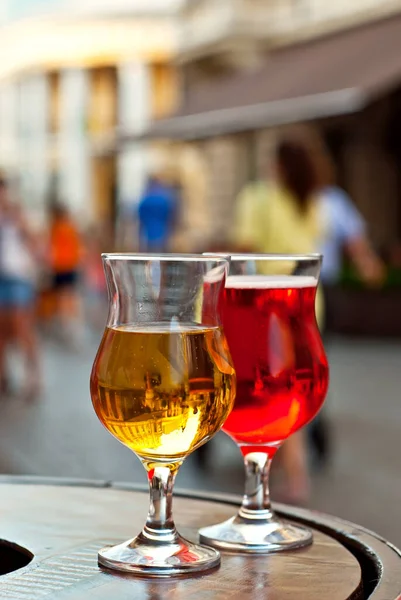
x=337 y=74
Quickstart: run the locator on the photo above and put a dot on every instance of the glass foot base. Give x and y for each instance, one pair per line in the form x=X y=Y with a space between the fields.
x=256 y=535
x=151 y=560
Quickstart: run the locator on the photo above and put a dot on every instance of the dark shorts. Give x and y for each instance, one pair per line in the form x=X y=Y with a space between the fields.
x=16 y=293
x=69 y=279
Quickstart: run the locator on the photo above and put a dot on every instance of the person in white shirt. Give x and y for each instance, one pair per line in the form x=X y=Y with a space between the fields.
x=17 y=292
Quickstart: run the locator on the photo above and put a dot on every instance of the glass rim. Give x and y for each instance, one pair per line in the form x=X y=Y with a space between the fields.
x=316 y=256
x=163 y=256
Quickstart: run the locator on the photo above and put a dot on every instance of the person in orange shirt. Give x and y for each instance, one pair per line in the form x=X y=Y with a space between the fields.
x=66 y=253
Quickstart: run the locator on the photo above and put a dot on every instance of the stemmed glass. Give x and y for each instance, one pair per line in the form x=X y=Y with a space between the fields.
x=163 y=384
x=268 y=313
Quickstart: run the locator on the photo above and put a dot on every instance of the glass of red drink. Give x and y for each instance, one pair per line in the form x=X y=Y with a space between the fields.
x=268 y=313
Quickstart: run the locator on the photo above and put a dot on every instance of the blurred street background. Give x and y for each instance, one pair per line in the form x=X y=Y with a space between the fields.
x=110 y=108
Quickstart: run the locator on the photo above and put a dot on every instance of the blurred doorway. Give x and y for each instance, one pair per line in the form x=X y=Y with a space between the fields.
x=393 y=146
x=335 y=138
x=104 y=186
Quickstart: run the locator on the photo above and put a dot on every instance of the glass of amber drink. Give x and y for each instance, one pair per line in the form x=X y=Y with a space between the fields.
x=163 y=384
x=268 y=313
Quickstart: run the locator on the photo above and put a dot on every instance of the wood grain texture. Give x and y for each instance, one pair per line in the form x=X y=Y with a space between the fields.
x=65 y=526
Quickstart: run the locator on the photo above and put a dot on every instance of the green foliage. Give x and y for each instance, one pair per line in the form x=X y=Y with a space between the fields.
x=351 y=279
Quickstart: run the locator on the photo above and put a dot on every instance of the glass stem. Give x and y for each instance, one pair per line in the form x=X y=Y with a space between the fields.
x=256 y=500
x=160 y=526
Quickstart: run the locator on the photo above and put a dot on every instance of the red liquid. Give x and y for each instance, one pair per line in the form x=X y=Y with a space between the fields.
x=282 y=371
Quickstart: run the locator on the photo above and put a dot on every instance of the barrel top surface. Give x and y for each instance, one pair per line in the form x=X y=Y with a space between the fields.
x=65 y=526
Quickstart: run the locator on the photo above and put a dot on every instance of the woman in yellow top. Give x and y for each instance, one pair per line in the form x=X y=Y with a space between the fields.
x=283 y=217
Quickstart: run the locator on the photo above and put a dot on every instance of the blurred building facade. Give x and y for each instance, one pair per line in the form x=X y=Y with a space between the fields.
x=249 y=68
x=73 y=75
x=89 y=89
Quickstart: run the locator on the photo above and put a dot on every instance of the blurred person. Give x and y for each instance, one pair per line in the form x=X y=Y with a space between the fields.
x=282 y=216
x=18 y=249
x=66 y=254
x=157 y=212
x=302 y=211
x=344 y=233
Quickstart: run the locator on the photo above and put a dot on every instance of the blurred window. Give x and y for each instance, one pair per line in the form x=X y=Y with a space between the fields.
x=103 y=99
x=164 y=90
x=54 y=102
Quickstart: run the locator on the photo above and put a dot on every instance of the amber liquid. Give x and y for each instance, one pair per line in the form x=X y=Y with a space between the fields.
x=163 y=389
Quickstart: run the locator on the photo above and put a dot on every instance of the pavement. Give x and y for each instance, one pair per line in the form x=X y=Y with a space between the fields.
x=59 y=435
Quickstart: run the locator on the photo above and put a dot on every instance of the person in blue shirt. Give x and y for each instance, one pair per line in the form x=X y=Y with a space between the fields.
x=157 y=214
x=345 y=232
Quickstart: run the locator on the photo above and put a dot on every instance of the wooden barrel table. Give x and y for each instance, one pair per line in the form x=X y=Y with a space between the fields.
x=51 y=531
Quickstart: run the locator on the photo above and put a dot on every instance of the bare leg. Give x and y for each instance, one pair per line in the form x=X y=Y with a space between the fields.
x=23 y=324
x=294 y=461
x=4 y=339
x=70 y=315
